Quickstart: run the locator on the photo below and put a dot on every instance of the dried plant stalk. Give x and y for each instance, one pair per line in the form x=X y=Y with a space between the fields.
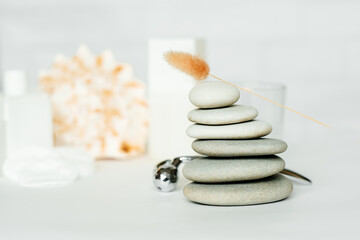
x=199 y=69
x=190 y=64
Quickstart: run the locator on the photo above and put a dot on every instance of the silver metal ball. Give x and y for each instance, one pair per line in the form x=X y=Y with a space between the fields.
x=165 y=177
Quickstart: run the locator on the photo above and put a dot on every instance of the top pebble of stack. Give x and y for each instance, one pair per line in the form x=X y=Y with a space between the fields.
x=213 y=95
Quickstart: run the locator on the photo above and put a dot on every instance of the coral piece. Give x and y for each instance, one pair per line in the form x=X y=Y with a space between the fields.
x=97 y=105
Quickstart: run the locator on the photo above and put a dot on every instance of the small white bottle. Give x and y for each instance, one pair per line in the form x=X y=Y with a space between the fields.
x=28 y=116
x=2 y=133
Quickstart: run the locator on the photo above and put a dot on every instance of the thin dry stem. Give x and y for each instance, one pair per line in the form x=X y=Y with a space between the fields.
x=247 y=90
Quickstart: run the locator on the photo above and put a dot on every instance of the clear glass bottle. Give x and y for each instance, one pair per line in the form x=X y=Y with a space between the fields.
x=269 y=112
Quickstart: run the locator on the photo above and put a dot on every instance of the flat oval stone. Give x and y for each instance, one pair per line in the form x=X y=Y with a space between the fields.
x=246 y=130
x=213 y=95
x=215 y=170
x=237 y=148
x=271 y=189
x=226 y=115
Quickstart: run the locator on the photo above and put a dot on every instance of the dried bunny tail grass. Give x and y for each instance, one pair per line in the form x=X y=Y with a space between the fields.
x=189 y=64
x=199 y=69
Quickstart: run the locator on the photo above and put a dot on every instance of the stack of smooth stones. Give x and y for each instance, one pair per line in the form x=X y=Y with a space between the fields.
x=240 y=167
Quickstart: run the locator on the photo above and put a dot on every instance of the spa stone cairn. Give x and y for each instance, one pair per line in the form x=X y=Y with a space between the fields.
x=240 y=167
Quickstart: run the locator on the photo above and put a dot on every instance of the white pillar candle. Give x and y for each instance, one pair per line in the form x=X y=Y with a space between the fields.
x=168 y=98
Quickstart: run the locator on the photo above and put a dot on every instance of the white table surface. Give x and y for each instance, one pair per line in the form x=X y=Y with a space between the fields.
x=119 y=202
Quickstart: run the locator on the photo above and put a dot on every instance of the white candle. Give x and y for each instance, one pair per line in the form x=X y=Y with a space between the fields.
x=168 y=98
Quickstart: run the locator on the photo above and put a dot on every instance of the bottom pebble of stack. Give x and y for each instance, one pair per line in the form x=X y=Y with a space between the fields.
x=271 y=189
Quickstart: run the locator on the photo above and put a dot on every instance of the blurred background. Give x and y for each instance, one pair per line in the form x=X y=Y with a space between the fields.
x=312 y=46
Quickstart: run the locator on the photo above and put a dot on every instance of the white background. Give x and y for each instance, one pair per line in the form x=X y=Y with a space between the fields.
x=312 y=46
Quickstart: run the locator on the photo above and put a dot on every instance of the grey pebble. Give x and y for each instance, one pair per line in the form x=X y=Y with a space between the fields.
x=246 y=130
x=216 y=170
x=236 y=148
x=213 y=94
x=225 y=115
x=271 y=189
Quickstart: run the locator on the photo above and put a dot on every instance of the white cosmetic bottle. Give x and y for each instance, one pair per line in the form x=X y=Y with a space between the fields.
x=2 y=133
x=28 y=115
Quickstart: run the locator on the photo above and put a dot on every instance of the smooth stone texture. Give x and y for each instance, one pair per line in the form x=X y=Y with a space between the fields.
x=246 y=130
x=271 y=189
x=226 y=115
x=213 y=95
x=215 y=170
x=237 y=148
